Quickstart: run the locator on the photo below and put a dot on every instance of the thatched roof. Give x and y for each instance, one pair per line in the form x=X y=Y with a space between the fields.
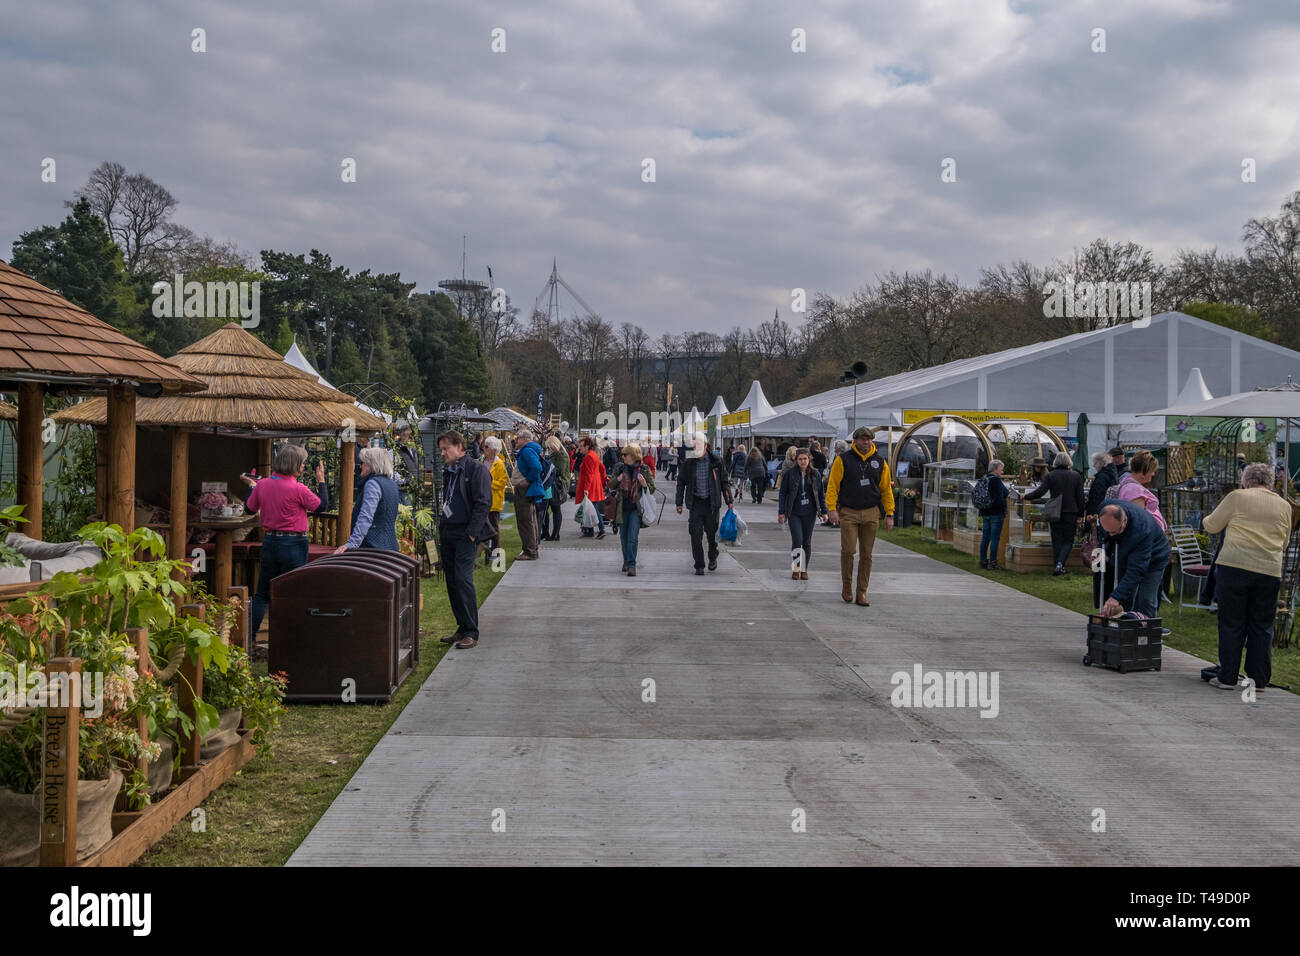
x=250 y=388
x=8 y=413
x=45 y=338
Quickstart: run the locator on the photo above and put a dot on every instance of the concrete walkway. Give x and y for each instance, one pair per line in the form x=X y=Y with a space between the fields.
x=772 y=704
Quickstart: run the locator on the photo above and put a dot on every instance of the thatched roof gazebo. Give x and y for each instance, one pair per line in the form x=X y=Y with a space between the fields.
x=251 y=393
x=47 y=343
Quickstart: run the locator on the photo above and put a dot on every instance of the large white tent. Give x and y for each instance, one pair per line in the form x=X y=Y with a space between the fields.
x=1114 y=374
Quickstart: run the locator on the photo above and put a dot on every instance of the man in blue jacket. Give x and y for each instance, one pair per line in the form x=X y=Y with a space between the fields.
x=528 y=492
x=462 y=527
x=1143 y=553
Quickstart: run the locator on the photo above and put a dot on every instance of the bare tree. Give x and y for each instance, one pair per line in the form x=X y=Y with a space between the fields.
x=138 y=212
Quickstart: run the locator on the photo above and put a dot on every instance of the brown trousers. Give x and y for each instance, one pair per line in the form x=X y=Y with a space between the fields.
x=526 y=517
x=858 y=527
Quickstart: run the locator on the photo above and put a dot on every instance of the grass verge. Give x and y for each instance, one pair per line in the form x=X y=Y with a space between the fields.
x=261 y=815
x=1193 y=631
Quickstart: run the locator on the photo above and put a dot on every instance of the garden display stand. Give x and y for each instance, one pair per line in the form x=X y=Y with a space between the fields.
x=134 y=832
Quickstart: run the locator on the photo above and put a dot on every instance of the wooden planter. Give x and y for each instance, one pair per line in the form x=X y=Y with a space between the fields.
x=133 y=832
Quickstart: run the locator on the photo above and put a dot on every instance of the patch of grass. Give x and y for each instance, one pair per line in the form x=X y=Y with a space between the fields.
x=1193 y=631
x=261 y=815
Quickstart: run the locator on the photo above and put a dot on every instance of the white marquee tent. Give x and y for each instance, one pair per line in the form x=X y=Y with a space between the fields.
x=1114 y=374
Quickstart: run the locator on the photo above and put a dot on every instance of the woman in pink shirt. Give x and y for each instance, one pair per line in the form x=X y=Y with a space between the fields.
x=284 y=504
x=1134 y=485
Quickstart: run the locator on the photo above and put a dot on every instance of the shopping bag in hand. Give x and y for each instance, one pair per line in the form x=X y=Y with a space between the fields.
x=727 y=531
x=589 y=517
x=649 y=508
x=741 y=528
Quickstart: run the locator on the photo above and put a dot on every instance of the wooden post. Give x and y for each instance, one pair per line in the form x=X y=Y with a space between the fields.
x=121 y=457
x=101 y=473
x=59 y=759
x=180 y=499
x=239 y=635
x=346 y=467
x=31 y=454
x=264 y=458
x=191 y=686
x=225 y=559
x=140 y=639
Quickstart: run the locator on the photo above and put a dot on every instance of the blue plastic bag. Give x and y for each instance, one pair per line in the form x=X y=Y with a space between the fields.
x=728 y=531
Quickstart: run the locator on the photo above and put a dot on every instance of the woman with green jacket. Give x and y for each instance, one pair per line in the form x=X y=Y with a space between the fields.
x=559 y=489
x=630 y=481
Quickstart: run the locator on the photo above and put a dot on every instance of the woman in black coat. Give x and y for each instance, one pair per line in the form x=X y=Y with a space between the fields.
x=756 y=472
x=800 y=501
x=1065 y=483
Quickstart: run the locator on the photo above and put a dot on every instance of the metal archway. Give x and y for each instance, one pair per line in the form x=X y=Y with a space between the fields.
x=939 y=438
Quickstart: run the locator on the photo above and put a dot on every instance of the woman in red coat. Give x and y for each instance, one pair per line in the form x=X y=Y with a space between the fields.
x=591 y=481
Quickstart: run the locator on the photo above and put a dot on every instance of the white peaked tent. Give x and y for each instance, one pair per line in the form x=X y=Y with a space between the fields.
x=756 y=403
x=715 y=415
x=1195 y=389
x=299 y=361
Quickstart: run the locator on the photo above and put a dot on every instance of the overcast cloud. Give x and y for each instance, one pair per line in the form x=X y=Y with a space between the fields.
x=774 y=170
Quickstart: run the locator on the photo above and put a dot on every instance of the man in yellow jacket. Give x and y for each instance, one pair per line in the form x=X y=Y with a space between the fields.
x=858 y=495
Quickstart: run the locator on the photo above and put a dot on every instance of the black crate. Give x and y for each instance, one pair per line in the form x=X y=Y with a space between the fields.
x=1124 y=645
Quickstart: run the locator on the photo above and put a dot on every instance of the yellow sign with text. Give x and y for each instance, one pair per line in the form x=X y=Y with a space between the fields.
x=736 y=418
x=1051 y=419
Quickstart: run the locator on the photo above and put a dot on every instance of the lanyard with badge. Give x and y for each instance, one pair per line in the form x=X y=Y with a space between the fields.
x=803 y=489
x=451 y=489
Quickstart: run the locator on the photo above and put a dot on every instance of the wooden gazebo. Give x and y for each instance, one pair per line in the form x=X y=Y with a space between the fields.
x=252 y=393
x=49 y=344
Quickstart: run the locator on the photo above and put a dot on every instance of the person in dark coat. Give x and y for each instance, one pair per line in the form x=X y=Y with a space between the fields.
x=993 y=517
x=1105 y=477
x=464 y=526
x=756 y=472
x=1117 y=459
x=800 y=501
x=703 y=486
x=1141 y=554
x=1105 y=474
x=1067 y=484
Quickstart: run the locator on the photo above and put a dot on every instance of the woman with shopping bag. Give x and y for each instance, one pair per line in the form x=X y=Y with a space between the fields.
x=629 y=483
x=592 y=480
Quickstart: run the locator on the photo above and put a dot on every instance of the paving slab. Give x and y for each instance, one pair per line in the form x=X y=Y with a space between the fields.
x=773 y=706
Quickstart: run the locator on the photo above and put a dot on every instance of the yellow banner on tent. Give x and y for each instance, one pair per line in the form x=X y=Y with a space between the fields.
x=736 y=418
x=1051 y=419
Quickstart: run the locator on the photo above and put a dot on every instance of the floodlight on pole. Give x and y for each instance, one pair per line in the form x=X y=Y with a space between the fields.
x=856 y=371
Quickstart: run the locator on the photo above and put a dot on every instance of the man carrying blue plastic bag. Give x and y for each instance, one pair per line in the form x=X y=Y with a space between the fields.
x=702 y=486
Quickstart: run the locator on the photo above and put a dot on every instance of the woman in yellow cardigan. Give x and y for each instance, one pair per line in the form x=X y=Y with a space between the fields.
x=492 y=458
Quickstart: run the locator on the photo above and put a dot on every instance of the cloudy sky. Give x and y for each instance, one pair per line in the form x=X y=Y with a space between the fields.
x=774 y=169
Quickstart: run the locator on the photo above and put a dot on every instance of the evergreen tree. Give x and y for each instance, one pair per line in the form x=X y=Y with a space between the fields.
x=79 y=260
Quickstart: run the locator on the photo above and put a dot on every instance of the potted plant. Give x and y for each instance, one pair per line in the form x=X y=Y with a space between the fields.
x=237 y=693
x=108 y=743
x=132 y=587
